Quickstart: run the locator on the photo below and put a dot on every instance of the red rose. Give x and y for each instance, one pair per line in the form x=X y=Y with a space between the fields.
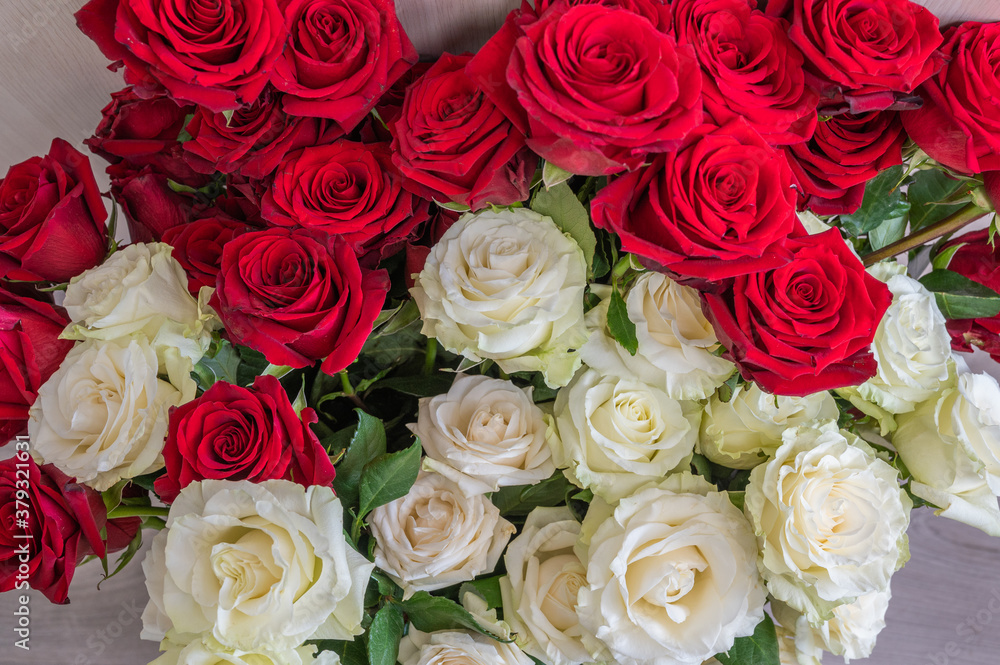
x=720 y=207
x=602 y=87
x=234 y=433
x=252 y=140
x=51 y=217
x=341 y=56
x=30 y=351
x=347 y=189
x=958 y=124
x=298 y=296
x=215 y=53
x=148 y=202
x=141 y=131
x=980 y=262
x=750 y=67
x=867 y=55
x=63 y=521
x=806 y=326
x=198 y=247
x=453 y=144
x=846 y=151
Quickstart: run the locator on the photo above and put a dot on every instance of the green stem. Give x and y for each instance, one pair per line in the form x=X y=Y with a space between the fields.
x=345 y=382
x=137 y=511
x=430 y=356
x=965 y=215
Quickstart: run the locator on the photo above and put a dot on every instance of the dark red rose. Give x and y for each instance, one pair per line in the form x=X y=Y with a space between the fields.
x=215 y=53
x=778 y=7
x=867 y=55
x=347 y=189
x=417 y=251
x=720 y=207
x=251 y=141
x=234 y=433
x=198 y=247
x=63 y=522
x=242 y=199
x=958 y=124
x=149 y=203
x=750 y=67
x=602 y=87
x=453 y=144
x=806 y=326
x=30 y=351
x=298 y=296
x=341 y=56
x=375 y=126
x=141 y=131
x=845 y=152
x=52 y=218
x=980 y=262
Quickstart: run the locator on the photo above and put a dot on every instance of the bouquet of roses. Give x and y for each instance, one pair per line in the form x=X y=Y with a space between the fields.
x=563 y=352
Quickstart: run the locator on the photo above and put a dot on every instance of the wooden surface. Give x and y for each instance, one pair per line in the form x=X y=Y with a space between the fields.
x=53 y=82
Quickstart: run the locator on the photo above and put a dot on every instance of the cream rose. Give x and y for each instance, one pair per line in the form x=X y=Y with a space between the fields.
x=830 y=519
x=671 y=579
x=102 y=416
x=615 y=435
x=850 y=633
x=141 y=289
x=436 y=535
x=746 y=430
x=912 y=348
x=951 y=446
x=540 y=589
x=257 y=566
x=676 y=341
x=484 y=433
x=506 y=286
x=207 y=651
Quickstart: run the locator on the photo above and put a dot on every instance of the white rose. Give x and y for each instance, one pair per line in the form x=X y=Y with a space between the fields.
x=436 y=535
x=544 y=576
x=141 y=289
x=912 y=347
x=951 y=446
x=830 y=519
x=256 y=566
x=615 y=435
x=507 y=286
x=207 y=651
x=102 y=416
x=744 y=431
x=672 y=579
x=484 y=433
x=676 y=341
x=850 y=633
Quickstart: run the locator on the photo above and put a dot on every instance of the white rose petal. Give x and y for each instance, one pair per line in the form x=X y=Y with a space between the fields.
x=676 y=341
x=257 y=566
x=102 y=416
x=615 y=435
x=507 y=286
x=436 y=535
x=672 y=580
x=830 y=520
x=544 y=576
x=951 y=446
x=484 y=433
x=744 y=431
x=141 y=289
x=850 y=633
x=207 y=651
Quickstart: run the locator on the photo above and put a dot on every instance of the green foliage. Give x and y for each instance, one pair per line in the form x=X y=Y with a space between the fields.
x=221 y=363
x=958 y=297
x=367 y=444
x=488 y=588
x=927 y=194
x=384 y=635
x=388 y=477
x=883 y=203
x=761 y=648
x=620 y=326
x=561 y=204
x=519 y=500
x=432 y=613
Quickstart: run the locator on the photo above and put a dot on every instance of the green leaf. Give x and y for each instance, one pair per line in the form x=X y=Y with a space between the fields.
x=367 y=444
x=926 y=193
x=738 y=499
x=522 y=499
x=221 y=363
x=561 y=204
x=432 y=613
x=941 y=261
x=384 y=635
x=386 y=586
x=388 y=477
x=300 y=399
x=127 y=555
x=488 y=588
x=606 y=255
x=702 y=466
x=350 y=653
x=418 y=386
x=620 y=326
x=552 y=175
x=887 y=232
x=761 y=648
x=883 y=201
x=958 y=297
x=252 y=364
